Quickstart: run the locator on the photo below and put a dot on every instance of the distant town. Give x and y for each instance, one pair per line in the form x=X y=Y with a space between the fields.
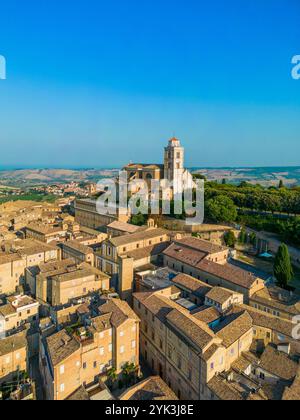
x=123 y=307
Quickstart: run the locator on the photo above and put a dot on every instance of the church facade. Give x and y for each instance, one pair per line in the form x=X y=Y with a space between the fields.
x=172 y=170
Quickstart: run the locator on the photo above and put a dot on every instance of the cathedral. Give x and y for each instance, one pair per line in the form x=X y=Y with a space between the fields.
x=172 y=170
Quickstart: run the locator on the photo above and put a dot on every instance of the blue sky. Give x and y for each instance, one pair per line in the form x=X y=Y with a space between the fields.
x=93 y=83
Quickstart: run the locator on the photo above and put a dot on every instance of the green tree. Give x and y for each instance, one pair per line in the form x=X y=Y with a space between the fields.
x=112 y=376
x=230 y=239
x=253 y=239
x=129 y=373
x=221 y=209
x=281 y=185
x=139 y=219
x=283 y=269
x=243 y=237
x=199 y=176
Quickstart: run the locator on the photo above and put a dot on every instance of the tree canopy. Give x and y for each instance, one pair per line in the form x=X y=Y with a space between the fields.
x=221 y=209
x=283 y=269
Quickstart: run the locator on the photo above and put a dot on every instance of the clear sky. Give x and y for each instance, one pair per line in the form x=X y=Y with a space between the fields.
x=98 y=83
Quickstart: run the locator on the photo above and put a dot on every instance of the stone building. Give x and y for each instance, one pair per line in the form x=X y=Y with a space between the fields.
x=172 y=170
x=19 y=256
x=17 y=311
x=13 y=357
x=184 y=351
x=209 y=262
x=78 y=252
x=69 y=281
x=120 y=256
x=71 y=360
x=87 y=215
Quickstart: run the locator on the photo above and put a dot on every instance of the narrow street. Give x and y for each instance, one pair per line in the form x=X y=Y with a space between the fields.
x=36 y=376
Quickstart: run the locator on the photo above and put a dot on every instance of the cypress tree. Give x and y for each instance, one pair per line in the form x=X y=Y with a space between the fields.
x=283 y=269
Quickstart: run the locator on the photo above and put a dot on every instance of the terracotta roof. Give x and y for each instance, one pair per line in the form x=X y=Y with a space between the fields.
x=56 y=265
x=15 y=342
x=207 y=314
x=149 y=251
x=292 y=393
x=234 y=329
x=61 y=346
x=123 y=227
x=222 y=389
x=77 y=246
x=79 y=395
x=138 y=236
x=158 y=305
x=241 y=364
x=197 y=287
x=9 y=258
x=197 y=331
x=219 y=295
x=120 y=311
x=278 y=299
x=201 y=245
x=6 y=310
x=102 y=322
x=44 y=229
x=229 y=273
x=278 y=364
x=210 y=352
x=262 y=319
x=151 y=389
x=185 y=255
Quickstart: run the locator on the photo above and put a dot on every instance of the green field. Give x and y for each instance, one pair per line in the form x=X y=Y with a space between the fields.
x=28 y=197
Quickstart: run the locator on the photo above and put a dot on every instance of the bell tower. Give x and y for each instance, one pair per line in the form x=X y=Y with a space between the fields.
x=174 y=163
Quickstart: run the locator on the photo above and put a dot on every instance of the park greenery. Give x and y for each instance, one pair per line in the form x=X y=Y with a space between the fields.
x=274 y=210
x=256 y=197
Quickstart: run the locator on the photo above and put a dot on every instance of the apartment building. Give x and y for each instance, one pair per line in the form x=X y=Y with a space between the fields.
x=69 y=281
x=269 y=329
x=45 y=269
x=78 y=251
x=87 y=214
x=71 y=360
x=17 y=311
x=122 y=255
x=117 y=228
x=17 y=257
x=276 y=301
x=13 y=356
x=12 y=267
x=184 y=351
x=46 y=233
x=209 y=263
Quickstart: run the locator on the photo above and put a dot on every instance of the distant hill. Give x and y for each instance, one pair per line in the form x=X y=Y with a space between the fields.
x=32 y=177
x=265 y=176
